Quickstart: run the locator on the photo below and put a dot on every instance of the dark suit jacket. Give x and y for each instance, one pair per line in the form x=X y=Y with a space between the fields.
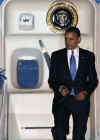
x=86 y=76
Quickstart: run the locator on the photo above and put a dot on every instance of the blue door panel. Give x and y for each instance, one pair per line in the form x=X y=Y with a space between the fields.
x=27 y=73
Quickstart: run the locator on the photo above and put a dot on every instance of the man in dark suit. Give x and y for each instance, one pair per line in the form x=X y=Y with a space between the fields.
x=73 y=79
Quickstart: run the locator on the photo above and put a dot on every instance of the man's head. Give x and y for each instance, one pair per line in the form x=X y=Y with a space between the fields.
x=72 y=38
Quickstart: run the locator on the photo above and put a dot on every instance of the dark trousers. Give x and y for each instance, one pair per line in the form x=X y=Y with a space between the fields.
x=61 y=119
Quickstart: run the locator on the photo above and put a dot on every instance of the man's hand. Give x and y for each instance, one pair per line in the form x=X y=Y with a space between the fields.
x=80 y=96
x=64 y=90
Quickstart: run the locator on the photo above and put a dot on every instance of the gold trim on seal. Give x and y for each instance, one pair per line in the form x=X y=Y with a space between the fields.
x=61 y=5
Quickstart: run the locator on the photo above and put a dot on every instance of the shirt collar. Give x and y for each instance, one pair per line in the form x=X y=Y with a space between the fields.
x=76 y=51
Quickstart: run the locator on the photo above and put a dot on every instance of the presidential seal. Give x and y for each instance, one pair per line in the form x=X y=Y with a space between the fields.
x=61 y=16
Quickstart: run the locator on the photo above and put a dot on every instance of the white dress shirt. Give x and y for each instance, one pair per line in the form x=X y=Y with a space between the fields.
x=76 y=54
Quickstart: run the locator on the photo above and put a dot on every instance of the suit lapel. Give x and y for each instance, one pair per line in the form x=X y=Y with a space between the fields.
x=66 y=66
x=67 y=71
x=80 y=63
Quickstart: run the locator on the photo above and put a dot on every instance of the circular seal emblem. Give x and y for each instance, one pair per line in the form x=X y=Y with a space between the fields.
x=61 y=16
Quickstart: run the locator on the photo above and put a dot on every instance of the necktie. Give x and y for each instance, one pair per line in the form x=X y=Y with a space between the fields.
x=72 y=70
